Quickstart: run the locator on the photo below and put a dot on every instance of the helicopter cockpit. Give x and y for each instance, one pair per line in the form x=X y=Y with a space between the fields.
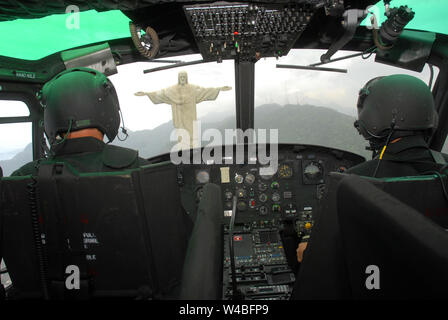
x=244 y=111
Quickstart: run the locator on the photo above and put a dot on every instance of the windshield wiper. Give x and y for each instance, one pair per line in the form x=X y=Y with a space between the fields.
x=365 y=55
x=367 y=52
x=290 y=66
x=165 y=61
x=175 y=65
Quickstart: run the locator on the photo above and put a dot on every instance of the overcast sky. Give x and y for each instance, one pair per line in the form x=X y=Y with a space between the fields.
x=272 y=85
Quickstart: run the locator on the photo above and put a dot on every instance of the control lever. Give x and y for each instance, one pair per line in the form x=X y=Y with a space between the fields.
x=236 y=294
x=352 y=19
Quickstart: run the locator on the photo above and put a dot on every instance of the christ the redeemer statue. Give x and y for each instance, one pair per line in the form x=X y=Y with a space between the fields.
x=183 y=98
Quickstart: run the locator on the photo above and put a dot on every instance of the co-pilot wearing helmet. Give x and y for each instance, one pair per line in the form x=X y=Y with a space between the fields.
x=397 y=116
x=80 y=108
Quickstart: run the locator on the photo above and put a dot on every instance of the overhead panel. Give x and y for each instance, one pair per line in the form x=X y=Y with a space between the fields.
x=247 y=32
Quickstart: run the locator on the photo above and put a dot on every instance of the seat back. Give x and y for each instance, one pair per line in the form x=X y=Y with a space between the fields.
x=423 y=193
x=109 y=225
x=361 y=225
x=391 y=249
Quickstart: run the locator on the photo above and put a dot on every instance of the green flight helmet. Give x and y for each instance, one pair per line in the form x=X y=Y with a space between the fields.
x=80 y=98
x=401 y=103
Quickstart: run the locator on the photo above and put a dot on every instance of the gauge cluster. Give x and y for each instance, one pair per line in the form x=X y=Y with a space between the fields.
x=288 y=192
x=260 y=195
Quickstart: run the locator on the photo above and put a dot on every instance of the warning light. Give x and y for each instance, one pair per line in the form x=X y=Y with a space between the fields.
x=236 y=33
x=237 y=238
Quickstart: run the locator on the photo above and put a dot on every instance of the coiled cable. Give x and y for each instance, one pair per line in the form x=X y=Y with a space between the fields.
x=148 y=50
x=41 y=259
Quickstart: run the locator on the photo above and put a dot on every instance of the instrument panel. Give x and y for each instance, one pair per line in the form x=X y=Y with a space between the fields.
x=289 y=190
x=270 y=200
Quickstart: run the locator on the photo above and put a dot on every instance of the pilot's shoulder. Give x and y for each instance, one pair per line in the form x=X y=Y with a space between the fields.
x=120 y=158
x=363 y=169
x=28 y=169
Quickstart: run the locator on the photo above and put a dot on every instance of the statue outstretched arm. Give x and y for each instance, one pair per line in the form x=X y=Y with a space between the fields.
x=208 y=94
x=158 y=97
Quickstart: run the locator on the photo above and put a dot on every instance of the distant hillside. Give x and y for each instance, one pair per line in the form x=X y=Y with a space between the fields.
x=25 y=156
x=296 y=124
x=312 y=125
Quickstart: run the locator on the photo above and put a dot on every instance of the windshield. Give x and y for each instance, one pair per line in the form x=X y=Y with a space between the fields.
x=317 y=107
x=307 y=107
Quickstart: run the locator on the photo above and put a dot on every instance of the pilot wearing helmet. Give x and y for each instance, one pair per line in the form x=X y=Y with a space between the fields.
x=397 y=116
x=81 y=107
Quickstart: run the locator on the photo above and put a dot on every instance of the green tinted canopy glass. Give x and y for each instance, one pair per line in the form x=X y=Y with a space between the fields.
x=430 y=15
x=34 y=39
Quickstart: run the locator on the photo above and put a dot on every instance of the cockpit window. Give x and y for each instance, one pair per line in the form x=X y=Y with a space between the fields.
x=156 y=104
x=11 y=108
x=15 y=138
x=317 y=107
x=15 y=146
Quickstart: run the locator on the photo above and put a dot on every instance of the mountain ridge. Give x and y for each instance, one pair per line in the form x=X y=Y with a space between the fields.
x=299 y=124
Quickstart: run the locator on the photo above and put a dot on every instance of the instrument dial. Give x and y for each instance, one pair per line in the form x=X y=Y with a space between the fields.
x=249 y=179
x=241 y=193
x=228 y=195
x=239 y=178
x=262 y=186
x=313 y=171
x=263 y=197
x=276 y=197
x=202 y=177
x=263 y=211
x=241 y=206
x=285 y=171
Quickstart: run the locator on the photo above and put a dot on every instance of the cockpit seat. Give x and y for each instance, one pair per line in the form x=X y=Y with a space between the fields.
x=125 y=232
x=376 y=239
